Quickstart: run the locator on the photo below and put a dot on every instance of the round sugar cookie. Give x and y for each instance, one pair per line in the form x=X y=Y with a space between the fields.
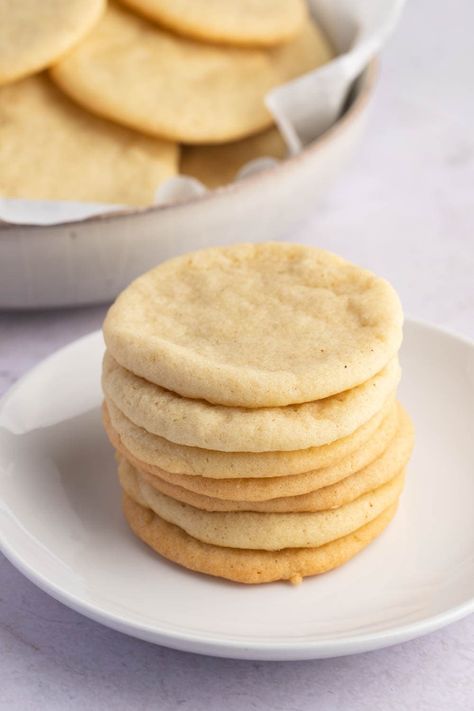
x=263 y=489
x=197 y=423
x=36 y=33
x=51 y=149
x=157 y=454
x=248 y=566
x=270 y=531
x=133 y=72
x=378 y=472
x=256 y=325
x=218 y=165
x=241 y=22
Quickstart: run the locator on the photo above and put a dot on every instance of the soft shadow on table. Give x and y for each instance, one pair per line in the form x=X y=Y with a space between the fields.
x=26 y=337
x=77 y=663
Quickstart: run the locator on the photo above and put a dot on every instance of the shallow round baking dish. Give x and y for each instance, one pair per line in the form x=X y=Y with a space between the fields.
x=90 y=261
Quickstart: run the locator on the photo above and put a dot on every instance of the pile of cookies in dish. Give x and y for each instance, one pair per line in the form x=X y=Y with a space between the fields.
x=108 y=100
x=250 y=394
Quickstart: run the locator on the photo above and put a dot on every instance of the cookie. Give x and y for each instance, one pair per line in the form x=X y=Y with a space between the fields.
x=268 y=531
x=218 y=165
x=263 y=488
x=371 y=476
x=156 y=454
x=308 y=325
x=242 y=22
x=138 y=74
x=197 y=423
x=266 y=488
x=35 y=34
x=248 y=566
x=51 y=149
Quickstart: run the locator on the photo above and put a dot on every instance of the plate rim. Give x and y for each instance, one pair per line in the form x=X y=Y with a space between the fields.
x=211 y=644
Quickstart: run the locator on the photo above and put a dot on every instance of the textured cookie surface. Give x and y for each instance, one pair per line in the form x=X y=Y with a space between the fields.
x=219 y=165
x=241 y=22
x=51 y=149
x=369 y=477
x=266 y=488
x=157 y=454
x=35 y=33
x=248 y=566
x=132 y=71
x=269 y=531
x=256 y=325
x=197 y=423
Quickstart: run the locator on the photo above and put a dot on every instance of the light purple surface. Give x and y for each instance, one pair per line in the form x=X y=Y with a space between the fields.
x=404 y=209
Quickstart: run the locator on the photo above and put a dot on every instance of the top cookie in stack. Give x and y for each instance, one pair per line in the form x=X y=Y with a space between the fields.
x=256 y=325
x=242 y=385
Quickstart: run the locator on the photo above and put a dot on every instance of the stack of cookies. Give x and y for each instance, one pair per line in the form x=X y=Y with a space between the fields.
x=140 y=90
x=250 y=393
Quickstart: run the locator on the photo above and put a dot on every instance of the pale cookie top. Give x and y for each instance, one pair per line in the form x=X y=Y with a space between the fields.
x=197 y=423
x=241 y=22
x=260 y=325
x=133 y=72
x=51 y=149
x=36 y=33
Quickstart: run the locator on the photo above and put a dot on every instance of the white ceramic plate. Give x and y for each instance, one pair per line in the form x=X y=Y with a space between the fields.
x=61 y=525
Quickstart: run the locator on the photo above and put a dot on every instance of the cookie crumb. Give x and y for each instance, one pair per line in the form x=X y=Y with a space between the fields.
x=296 y=579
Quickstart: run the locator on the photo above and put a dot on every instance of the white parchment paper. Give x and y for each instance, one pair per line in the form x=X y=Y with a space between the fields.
x=303 y=108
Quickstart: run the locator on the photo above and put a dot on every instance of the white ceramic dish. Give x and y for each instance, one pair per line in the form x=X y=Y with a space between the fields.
x=61 y=525
x=92 y=260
